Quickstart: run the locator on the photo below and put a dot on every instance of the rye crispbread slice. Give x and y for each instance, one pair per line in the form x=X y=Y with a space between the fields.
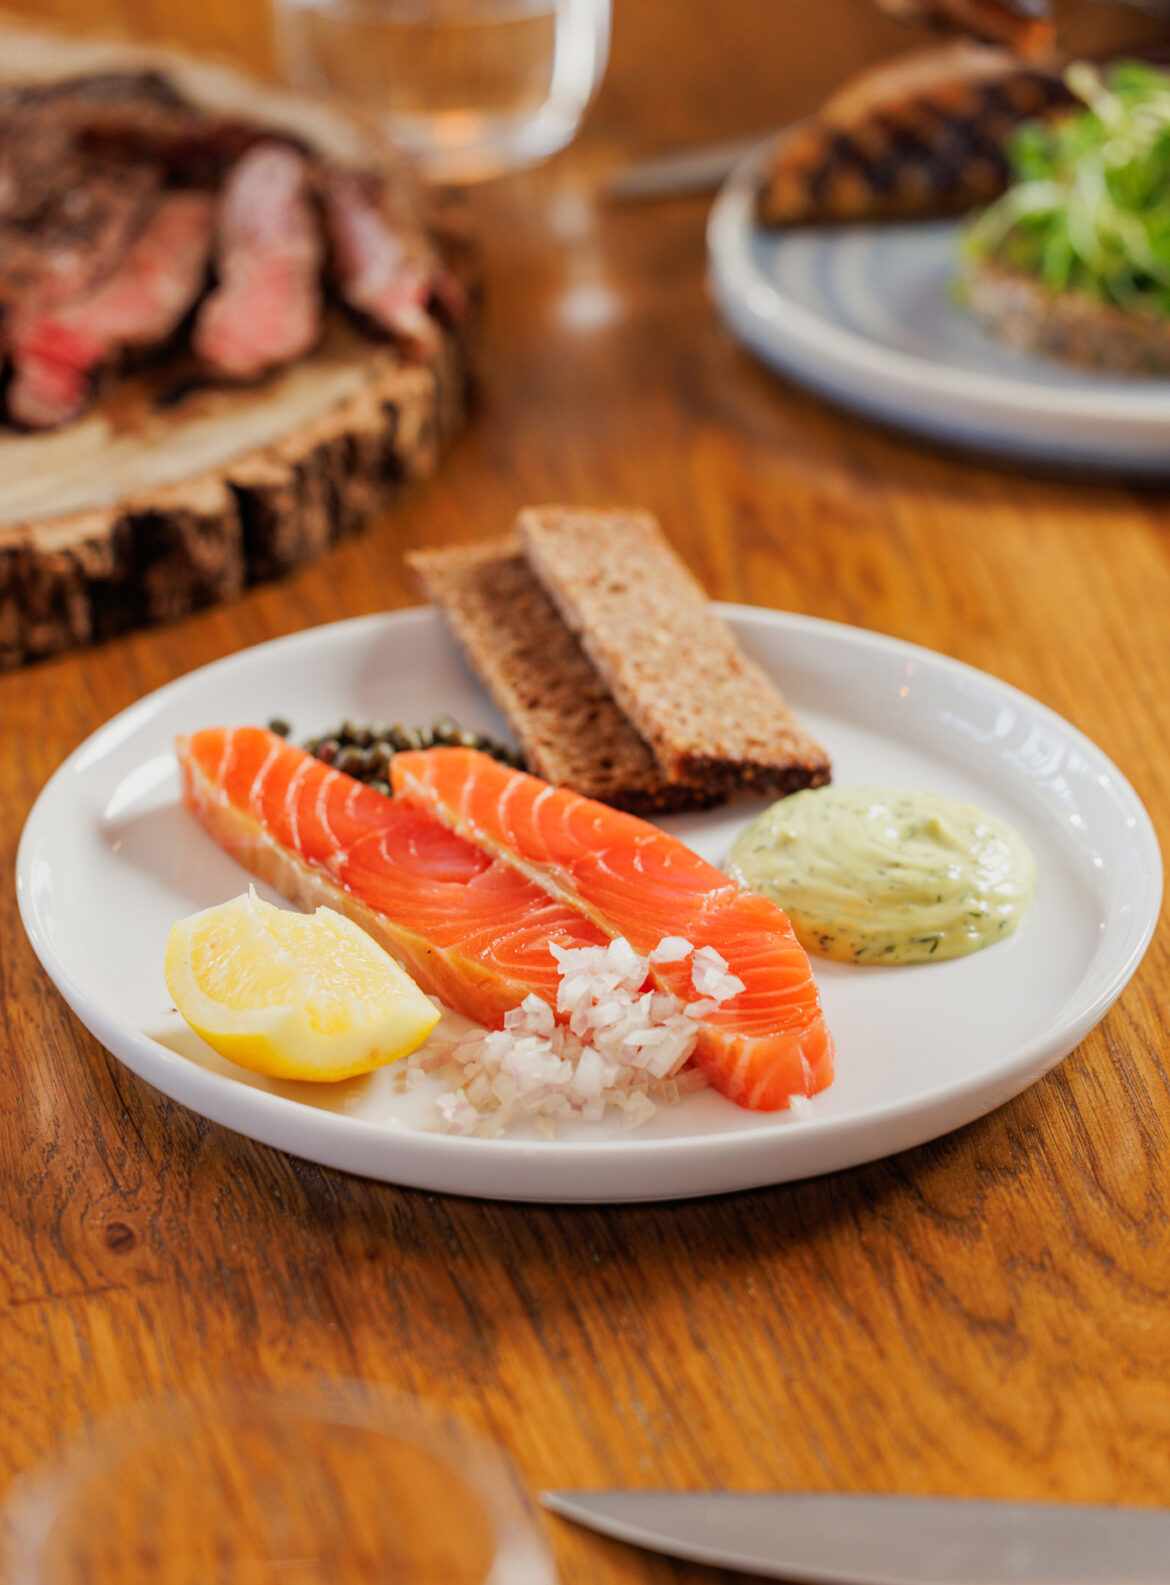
x=708 y=713
x=571 y=731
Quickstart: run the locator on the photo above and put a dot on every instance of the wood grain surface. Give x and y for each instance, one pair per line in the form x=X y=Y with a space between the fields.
x=989 y=1314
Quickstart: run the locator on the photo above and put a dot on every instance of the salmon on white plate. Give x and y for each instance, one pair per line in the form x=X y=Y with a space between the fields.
x=588 y=940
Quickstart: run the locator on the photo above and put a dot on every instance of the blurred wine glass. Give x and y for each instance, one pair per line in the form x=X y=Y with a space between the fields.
x=470 y=88
x=342 y=1484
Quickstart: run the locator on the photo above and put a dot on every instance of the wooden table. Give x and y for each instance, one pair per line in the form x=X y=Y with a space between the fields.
x=988 y=1314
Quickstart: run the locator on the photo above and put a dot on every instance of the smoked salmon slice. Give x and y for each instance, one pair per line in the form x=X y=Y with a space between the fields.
x=470 y=929
x=630 y=879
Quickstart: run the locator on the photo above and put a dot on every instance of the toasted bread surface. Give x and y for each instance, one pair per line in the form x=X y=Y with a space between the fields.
x=924 y=134
x=1026 y=27
x=1070 y=326
x=708 y=713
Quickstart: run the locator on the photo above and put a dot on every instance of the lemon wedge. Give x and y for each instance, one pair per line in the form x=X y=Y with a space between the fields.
x=293 y=996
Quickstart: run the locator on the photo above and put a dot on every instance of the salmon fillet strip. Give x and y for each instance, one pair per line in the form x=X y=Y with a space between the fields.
x=629 y=878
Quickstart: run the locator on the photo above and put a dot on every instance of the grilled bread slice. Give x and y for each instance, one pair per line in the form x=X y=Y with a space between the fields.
x=710 y=716
x=1026 y=27
x=1070 y=326
x=921 y=135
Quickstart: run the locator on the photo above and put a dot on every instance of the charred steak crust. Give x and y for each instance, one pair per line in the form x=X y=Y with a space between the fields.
x=117 y=115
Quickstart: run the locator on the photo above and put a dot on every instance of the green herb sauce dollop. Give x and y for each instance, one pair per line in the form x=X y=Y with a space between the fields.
x=875 y=875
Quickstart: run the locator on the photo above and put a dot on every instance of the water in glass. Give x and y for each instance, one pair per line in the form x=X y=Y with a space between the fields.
x=472 y=88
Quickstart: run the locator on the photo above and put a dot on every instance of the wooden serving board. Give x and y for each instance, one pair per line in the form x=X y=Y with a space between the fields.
x=168 y=496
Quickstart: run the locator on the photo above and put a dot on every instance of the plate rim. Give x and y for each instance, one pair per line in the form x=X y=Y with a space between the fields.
x=338 y=1127
x=737 y=281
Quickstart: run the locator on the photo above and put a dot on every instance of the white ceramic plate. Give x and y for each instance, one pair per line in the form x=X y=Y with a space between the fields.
x=865 y=315
x=110 y=859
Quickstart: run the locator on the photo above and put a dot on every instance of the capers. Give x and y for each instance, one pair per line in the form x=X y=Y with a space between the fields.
x=364 y=750
x=349 y=760
x=280 y=726
x=378 y=758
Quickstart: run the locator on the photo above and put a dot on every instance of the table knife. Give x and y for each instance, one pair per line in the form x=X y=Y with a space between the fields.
x=681 y=172
x=864 y=1540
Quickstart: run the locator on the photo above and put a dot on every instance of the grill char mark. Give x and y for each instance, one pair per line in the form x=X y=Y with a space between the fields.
x=871 y=154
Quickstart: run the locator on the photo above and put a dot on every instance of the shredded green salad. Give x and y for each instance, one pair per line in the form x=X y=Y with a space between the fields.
x=1089 y=210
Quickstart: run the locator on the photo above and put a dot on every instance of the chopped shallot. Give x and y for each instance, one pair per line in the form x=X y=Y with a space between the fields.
x=710 y=975
x=671 y=949
x=616 y=1045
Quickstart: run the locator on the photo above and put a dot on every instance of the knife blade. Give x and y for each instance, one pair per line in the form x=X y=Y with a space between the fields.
x=681 y=172
x=871 y=1540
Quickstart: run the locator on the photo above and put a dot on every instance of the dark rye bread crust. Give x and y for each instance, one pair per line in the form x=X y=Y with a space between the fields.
x=571 y=731
x=709 y=715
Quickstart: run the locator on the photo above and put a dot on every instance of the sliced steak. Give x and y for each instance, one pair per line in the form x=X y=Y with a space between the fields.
x=79 y=237
x=57 y=352
x=384 y=266
x=266 y=309
x=40 y=125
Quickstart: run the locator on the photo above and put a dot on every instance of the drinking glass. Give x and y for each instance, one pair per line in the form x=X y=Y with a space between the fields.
x=342 y=1484
x=470 y=88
